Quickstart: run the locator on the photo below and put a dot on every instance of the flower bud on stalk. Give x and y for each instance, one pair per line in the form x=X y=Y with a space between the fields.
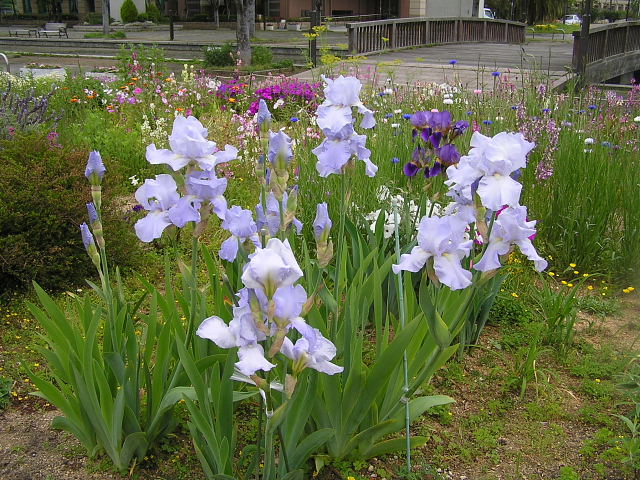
x=94 y=172
x=90 y=245
x=290 y=209
x=96 y=224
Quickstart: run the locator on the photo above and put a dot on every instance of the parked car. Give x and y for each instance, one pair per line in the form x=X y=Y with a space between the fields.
x=572 y=20
x=488 y=13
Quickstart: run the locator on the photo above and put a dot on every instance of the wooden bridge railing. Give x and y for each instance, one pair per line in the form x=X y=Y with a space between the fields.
x=376 y=36
x=607 y=41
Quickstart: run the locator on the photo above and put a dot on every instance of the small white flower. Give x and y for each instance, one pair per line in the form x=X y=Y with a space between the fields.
x=388 y=91
x=589 y=141
x=134 y=180
x=637 y=119
x=448 y=101
x=395 y=125
x=397 y=111
x=278 y=103
x=499 y=119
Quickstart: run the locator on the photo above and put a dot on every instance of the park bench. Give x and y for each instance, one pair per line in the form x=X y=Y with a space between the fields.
x=18 y=30
x=53 y=30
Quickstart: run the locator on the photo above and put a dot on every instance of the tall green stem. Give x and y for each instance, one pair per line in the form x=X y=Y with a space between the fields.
x=405 y=363
x=336 y=276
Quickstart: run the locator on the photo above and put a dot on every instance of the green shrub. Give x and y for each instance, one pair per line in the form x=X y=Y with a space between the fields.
x=143 y=17
x=43 y=193
x=219 y=55
x=261 y=55
x=128 y=11
x=153 y=13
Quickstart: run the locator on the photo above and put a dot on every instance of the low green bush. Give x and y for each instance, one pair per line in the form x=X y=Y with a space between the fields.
x=128 y=11
x=219 y=55
x=42 y=201
x=262 y=55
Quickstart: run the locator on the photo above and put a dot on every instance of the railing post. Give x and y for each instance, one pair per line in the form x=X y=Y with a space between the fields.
x=353 y=38
x=626 y=39
x=506 y=33
x=426 y=33
x=394 y=31
x=484 y=30
x=456 y=28
x=605 y=46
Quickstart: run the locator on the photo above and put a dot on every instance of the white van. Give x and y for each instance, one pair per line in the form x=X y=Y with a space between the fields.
x=488 y=13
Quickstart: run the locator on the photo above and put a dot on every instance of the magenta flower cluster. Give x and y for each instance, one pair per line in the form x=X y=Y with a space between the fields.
x=290 y=91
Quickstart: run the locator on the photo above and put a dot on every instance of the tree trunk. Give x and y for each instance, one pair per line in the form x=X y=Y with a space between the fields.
x=243 y=33
x=105 y=17
x=216 y=17
x=252 y=18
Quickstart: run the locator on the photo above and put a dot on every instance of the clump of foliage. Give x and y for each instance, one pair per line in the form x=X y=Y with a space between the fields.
x=219 y=56
x=129 y=11
x=262 y=55
x=41 y=205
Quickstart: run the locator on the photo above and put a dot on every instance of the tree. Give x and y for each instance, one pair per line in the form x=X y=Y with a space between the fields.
x=215 y=5
x=245 y=12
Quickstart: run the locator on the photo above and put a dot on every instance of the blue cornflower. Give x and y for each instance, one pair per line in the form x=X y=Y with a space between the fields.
x=388 y=115
x=469 y=112
x=406 y=116
x=294 y=119
x=606 y=144
x=592 y=107
x=487 y=122
x=395 y=160
x=453 y=62
x=581 y=111
x=514 y=107
x=495 y=74
x=546 y=110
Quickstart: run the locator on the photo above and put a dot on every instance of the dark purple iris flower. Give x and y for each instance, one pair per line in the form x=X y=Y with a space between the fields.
x=449 y=154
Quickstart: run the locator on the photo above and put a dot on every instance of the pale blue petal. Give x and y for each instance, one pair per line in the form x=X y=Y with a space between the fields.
x=229 y=249
x=412 y=262
x=252 y=359
x=216 y=330
x=151 y=227
x=166 y=157
x=450 y=272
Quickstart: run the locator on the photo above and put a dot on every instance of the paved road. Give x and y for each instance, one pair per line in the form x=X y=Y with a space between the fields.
x=475 y=64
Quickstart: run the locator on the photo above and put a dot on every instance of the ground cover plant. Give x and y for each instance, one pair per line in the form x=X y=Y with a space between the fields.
x=329 y=256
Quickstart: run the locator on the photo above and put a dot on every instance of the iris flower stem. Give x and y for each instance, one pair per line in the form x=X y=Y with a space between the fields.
x=336 y=276
x=405 y=363
x=194 y=290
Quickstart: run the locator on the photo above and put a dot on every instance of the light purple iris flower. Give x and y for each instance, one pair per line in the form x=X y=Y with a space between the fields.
x=157 y=197
x=272 y=219
x=208 y=188
x=343 y=94
x=322 y=223
x=240 y=332
x=443 y=239
x=188 y=142
x=271 y=268
x=280 y=148
x=264 y=115
x=511 y=228
x=240 y=224
x=338 y=147
x=95 y=169
x=311 y=351
x=491 y=164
